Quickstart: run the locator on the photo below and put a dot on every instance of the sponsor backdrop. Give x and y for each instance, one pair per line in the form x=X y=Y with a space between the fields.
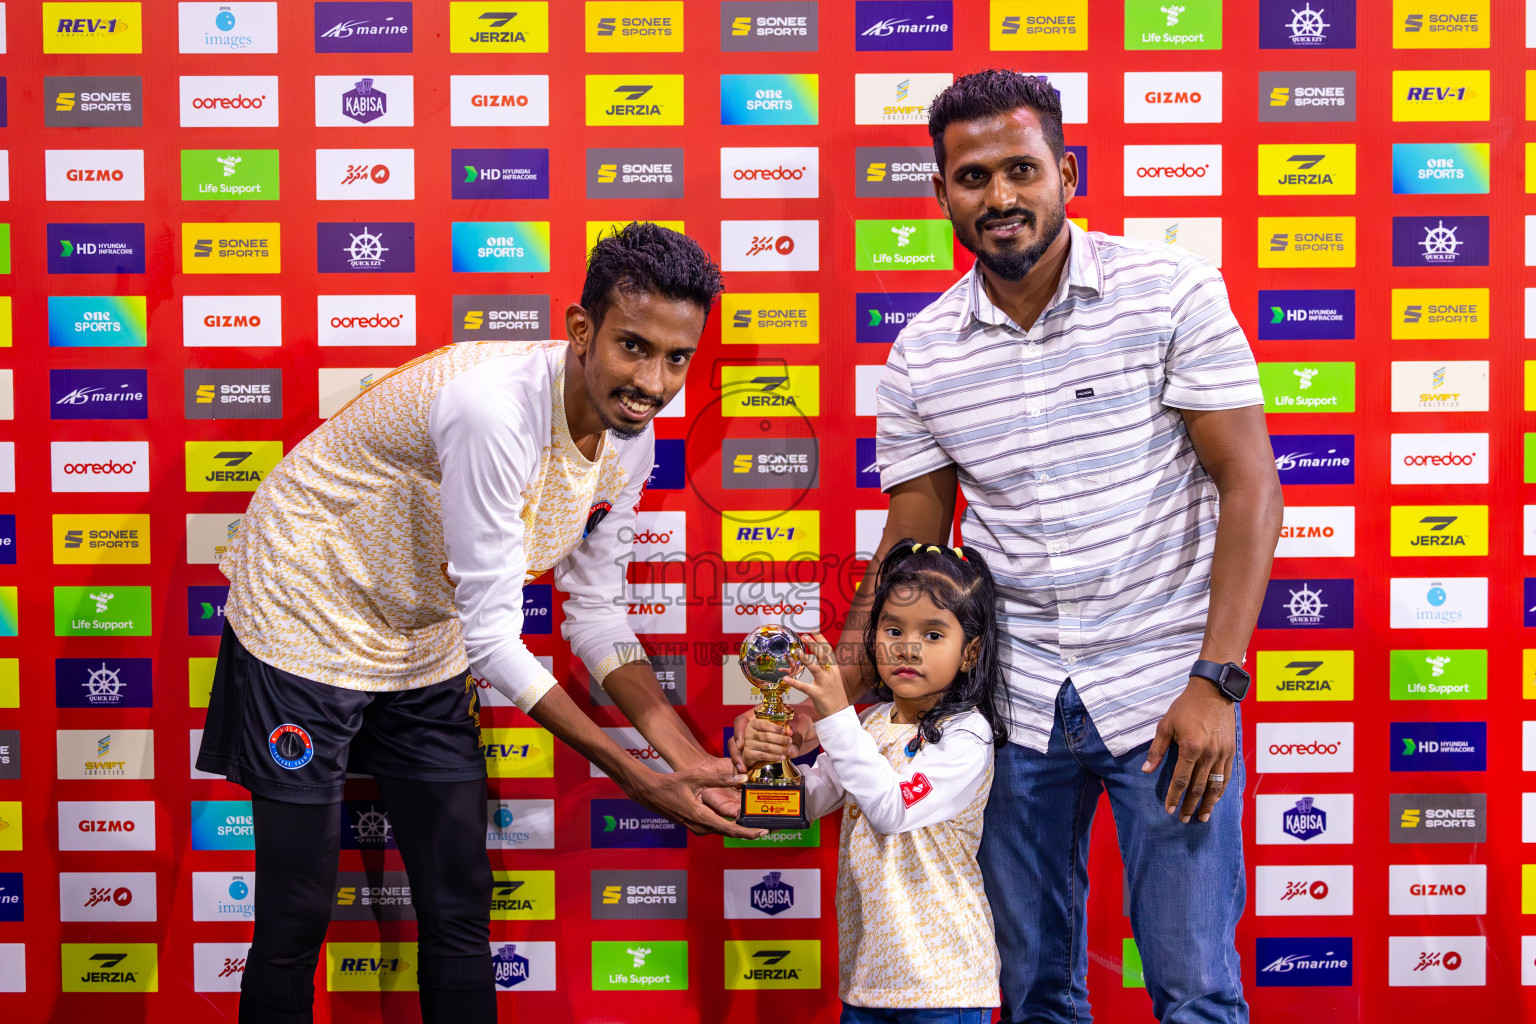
x=220 y=221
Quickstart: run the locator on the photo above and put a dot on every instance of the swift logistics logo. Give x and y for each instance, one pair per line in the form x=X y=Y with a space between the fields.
x=500 y=173
x=1440 y=95
x=770 y=99
x=498 y=26
x=1432 y=313
x=770 y=391
x=896 y=99
x=890 y=25
x=98 y=394
x=1032 y=25
x=373 y=27
x=772 y=964
x=97 y=321
x=93 y=101
x=1308 y=604
x=1439 y=675
x=229 y=174
x=235 y=248
x=376 y=247
x=1440 y=24
x=1314 y=458
x=1298 y=96
x=1306 y=675
x=635 y=173
x=500 y=317
x=634 y=26
x=95 y=249
x=501 y=247
x=230 y=465
x=1308 y=387
x=93 y=28
x=1439 y=746
x=1160 y=25
x=1306 y=242
x=1309 y=169
x=1439 y=241
x=783 y=26
x=770 y=318
x=634 y=100
x=94 y=754
x=1320 y=25
x=1439 y=530
x=1440 y=386
x=904 y=245
x=101 y=611
x=1302 y=315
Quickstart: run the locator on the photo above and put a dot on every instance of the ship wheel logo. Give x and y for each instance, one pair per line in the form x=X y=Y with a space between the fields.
x=103 y=684
x=371 y=827
x=1305 y=606
x=367 y=250
x=1440 y=243
x=1307 y=23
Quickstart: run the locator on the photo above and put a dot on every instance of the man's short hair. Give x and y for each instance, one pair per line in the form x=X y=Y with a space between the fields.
x=993 y=92
x=645 y=257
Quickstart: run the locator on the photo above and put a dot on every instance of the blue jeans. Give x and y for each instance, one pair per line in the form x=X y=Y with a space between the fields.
x=947 y=1015
x=1187 y=883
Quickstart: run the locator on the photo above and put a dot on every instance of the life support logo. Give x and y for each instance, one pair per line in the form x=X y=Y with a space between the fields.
x=291 y=746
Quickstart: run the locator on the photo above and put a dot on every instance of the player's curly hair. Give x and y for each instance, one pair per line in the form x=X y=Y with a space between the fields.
x=645 y=257
x=992 y=92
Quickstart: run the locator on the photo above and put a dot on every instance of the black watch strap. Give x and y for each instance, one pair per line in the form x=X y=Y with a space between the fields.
x=1229 y=678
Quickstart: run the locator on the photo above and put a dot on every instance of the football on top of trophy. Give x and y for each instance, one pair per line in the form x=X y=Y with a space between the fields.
x=771 y=654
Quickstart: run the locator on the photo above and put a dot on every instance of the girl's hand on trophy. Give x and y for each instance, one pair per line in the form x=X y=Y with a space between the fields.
x=823 y=683
x=764 y=742
x=802 y=732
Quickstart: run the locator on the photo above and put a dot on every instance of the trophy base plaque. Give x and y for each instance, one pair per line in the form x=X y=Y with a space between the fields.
x=773 y=806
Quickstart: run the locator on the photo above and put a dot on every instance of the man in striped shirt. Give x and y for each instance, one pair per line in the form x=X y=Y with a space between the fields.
x=1093 y=397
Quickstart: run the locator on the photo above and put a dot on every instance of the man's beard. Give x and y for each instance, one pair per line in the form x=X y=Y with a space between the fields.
x=626 y=432
x=1012 y=264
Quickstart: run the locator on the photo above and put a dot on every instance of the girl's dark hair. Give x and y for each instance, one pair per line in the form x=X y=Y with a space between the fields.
x=964 y=587
x=984 y=94
x=645 y=257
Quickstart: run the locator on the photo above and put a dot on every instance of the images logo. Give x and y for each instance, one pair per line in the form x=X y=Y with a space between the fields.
x=1304 y=962
x=623 y=824
x=498 y=26
x=1305 y=315
x=387 y=247
x=1439 y=241
x=634 y=99
x=1456 y=168
x=896 y=99
x=363 y=27
x=1439 y=817
x=240 y=248
x=1439 y=675
x=501 y=247
x=770 y=318
x=1439 y=746
x=1308 y=604
x=634 y=26
x=93 y=101
x=1308 y=387
x=230 y=465
x=779 y=963
x=501 y=174
x=1161 y=25
x=646 y=965
x=1307 y=241
x=1306 y=675
x=93 y=28
x=226 y=174
x=94 y=249
x=769 y=25
x=634 y=174
x=500 y=317
x=97 y=321
x=639 y=895
x=101 y=611
x=227 y=28
x=229 y=101
x=1318 y=169
x=1424 y=313
x=903 y=25
x=1295 y=96
x=1440 y=95
x=770 y=99
x=1439 y=603
x=1172 y=170
x=520 y=825
x=1324 y=25
x=498 y=100
x=904 y=245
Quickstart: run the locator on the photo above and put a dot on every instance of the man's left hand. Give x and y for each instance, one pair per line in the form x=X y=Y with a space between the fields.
x=1204 y=725
x=723 y=800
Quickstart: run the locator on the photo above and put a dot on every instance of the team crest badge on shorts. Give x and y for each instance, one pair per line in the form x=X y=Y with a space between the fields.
x=291 y=746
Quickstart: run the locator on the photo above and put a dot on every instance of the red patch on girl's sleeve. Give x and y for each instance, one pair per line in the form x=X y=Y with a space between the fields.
x=919 y=787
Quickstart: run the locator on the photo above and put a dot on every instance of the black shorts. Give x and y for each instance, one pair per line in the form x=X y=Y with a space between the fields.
x=285 y=737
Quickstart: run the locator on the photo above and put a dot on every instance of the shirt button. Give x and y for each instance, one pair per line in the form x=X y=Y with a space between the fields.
x=1057 y=548
x=1070 y=659
x=1045 y=478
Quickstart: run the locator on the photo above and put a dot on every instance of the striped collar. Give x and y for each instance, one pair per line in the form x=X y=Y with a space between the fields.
x=1084 y=278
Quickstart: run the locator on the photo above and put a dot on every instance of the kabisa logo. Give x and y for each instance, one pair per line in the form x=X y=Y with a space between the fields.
x=1308 y=604
x=363 y=103
x=768 y=25
x=1304 y=962
x=363 y=27
x=1324 y=315
x=1311 y=25
x=500 y=173
x=882 y=315
x=882 y=171
x=772 y=896
x=1296 y=96
x=95 y=248
x=102 y=682
x=1439 y=241
x=1440 y=95
x=229 y=101
x=501 y=247
x=634 y=26
x=93 y=28
x=903 y=25
x=95 y=101
x=1445 y=168
x=121 y=966
x=1304 y=821
x=624 y=824
x=388 y=247
x=223 y=825
x=500 y=317
x=371 y=101
x=1314 y=458
x=1439 y=746
x=98 y=394
x=511 y=970
x=634 y=174
x=634 y=99
x=782 y=963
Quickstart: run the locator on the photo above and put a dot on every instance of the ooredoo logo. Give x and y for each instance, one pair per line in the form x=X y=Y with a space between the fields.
x=659 y=536
x=229 y=101
x=1440 y=458
x=367 y=320
x=781 y=172
x=1173 y=170
x=1306 y=746
x=91 y=466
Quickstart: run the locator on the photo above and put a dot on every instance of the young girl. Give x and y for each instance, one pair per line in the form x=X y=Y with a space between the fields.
x=912 y=776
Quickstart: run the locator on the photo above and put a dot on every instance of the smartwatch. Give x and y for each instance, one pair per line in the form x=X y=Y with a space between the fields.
x=1230 y=678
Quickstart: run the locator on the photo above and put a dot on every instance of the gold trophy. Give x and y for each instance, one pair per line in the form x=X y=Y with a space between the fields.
x=773 y=797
